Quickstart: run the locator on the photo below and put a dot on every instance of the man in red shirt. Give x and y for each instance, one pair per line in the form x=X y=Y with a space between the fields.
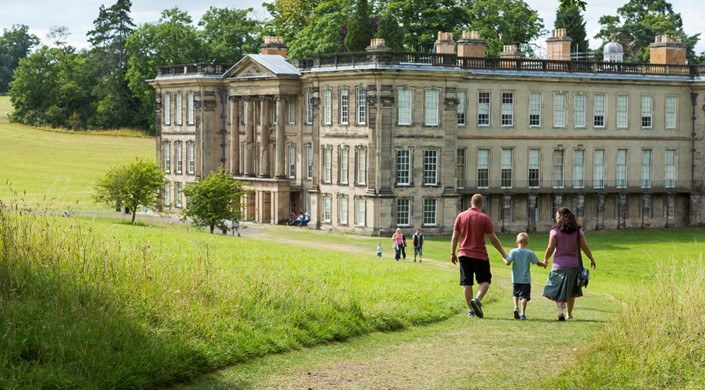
x=470 y=228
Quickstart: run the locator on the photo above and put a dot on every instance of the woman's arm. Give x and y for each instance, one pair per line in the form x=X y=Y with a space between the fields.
x=586 y=250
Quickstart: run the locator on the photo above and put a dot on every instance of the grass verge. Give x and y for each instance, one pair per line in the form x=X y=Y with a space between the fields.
x=105 y=305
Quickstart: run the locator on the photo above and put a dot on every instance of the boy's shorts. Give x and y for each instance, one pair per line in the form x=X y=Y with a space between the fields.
x=477 y=267
x=522 y=291
x=418 y=251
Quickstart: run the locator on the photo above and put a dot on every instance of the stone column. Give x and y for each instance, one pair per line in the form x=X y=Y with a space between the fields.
x=265 y=107
x=235 y=136
x=280 y=172
x=249 y=136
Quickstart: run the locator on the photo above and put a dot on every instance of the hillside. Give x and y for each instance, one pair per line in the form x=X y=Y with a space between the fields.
x=61 y=167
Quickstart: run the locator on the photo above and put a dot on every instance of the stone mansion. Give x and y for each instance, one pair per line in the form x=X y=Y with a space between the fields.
x=368 y=142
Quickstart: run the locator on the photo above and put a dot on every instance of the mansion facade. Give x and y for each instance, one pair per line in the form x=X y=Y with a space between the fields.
x=368 y=142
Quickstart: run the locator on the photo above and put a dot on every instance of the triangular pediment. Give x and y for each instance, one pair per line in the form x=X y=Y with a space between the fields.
x=261 y=66
x=251 y=69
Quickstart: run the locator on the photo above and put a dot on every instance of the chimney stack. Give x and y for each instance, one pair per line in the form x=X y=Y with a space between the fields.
x=471 y=45
x=273 y=45
x=667 y=50
x=511 y=52
x=558 y=45
x=377 y=45
x=445 y=43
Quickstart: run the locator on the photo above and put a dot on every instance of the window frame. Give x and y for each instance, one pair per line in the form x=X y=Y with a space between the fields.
x=484 y=109
x=484 y=158
x=622 y=108
x=404 y=106
x=534 y=168
x=344 y=106
x=534 y=109
x=599 y=110
x=507 y=109
x=361 y=106
x=429 y=216
x=403 y=212
x=430 y=167
x=403 y=168
x=647 y=112
x=431 y=107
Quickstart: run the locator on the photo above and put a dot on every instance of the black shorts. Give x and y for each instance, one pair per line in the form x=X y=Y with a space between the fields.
x=522 y=291
x=477 y=267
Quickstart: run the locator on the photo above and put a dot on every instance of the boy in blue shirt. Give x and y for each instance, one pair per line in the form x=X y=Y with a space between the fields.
x=521 y=259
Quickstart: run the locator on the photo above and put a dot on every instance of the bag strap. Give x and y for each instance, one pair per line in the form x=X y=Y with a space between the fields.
x=580 y=256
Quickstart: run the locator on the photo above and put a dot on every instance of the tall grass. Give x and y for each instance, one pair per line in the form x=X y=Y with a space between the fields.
x=103 y=305
x=658 y=341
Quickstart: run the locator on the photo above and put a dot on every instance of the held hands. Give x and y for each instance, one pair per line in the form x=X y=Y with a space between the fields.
x=592 y=264
x=507 y=262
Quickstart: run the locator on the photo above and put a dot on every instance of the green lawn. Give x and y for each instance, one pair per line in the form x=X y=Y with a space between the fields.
x=59 y=168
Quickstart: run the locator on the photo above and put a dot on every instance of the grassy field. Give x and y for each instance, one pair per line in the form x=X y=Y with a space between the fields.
x=60 y=168
x=98 y=303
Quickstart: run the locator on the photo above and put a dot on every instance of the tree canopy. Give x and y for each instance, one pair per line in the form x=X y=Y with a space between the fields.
x=637 y=24
x=106 y=85
x=15 y=44
x=213 y=200
x=570 y=18
x=133 y=185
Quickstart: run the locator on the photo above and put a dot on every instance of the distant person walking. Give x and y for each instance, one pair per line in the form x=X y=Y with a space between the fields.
x=379 y=250
x=417 y=241
x=470 y=229
x=403 y=245
x=563 y=242
x=397 y=242
x=520 y=259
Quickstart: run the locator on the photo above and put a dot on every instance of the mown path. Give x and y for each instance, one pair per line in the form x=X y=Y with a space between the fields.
x=458 y=353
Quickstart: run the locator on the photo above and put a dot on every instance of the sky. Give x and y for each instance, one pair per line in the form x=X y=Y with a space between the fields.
x=78 y=15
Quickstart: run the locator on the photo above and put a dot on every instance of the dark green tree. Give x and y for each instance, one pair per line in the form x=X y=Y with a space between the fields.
x=173 y=40
x=359 y=31
x=289 y=17
x=115 y=103
x=15 y=44
x=51 y=87
x=637 y=24
x=421 y=20
x=570 y=18
x=229 y=34
x=505 y=22
x=389 y=29
x=322 y=34
x=132 y=185
x=213 y=200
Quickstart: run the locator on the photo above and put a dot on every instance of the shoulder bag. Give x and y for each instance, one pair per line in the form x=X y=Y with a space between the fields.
x=583 y=276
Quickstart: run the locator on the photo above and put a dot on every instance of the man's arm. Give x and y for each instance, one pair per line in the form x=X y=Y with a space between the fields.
x=497 y=245
x=454 y=246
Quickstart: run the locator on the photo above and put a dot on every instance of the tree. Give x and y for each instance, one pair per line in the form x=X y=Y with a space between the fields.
x=229 y=34
x=213 y=200
x=52 y=87
x=570 y=18
x=171 y=41
x=132 y=185
x=289 y=17
x=643 y=20
x=323 y=34
x=389 y=30
x=505 y=22
x=359 y=29
x=114 y=102
x=15 y=44
x=422 y=19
